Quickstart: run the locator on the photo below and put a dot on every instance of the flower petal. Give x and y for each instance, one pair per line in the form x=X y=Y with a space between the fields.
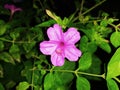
x=57 y=60
x=71 y=36
x=11 y=7
x=48 y=47
x=17 y=9
x=72 y=53
x=55 y=32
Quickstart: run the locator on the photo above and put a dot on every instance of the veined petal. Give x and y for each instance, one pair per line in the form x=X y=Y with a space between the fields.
x=48 y=47
x=72 y=53
x=57 y=60
x=71 y=36
x=55 y=32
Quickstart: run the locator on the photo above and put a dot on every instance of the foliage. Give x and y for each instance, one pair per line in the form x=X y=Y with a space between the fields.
x=23 y=66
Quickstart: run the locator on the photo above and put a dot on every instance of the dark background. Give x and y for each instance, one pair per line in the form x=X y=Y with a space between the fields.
x=64 y=8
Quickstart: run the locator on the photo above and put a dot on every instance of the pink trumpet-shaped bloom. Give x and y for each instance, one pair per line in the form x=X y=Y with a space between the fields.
x=61 y=45
x=12 y=8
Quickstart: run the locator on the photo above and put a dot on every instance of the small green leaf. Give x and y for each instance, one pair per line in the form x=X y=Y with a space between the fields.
x=6 y=57
x=23 y=86
x=29 y=46
x=3 y=29
x=16 y=56
x=10 y=84
x=14 y=49
x=112 y=85
x=85 y=61
x=14 y=35
x=1 y=72
x=105 y=46
x=113 y=68
x=1 y=45
x=49 y=82
x=91 y=47
x=83 y=41
x=47 y=23
x=1 y=87
x=104 y=23
x=115 y=39
x=27 y=72
x=57 y=81
x=82 y=83
x=67 y=66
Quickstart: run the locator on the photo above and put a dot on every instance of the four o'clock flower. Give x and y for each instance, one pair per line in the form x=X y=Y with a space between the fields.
x=61 y=45
x=12 y=8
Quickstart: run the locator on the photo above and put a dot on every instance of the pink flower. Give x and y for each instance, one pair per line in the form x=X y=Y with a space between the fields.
x=61 y=45
x=12 y=8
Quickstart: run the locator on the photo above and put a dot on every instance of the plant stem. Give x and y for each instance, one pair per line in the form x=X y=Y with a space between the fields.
x=118 y=80
x=77 y=72
x=12 y=41
x=96 y=5
x=81 y=8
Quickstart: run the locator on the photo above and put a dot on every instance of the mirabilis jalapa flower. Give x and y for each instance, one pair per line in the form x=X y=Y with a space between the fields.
x=61 y=45
x=12 y=8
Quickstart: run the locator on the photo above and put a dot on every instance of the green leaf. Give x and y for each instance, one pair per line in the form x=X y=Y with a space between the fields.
x=23 y=86
x=2 y=29
x=64 y=78
x=14 y=49
x=54 y=82
x=47 y=23
x=27 y=72
x=10 y=84
x=67 y=66
x=83 y=41
x=113 y=68
x=1 y=87
x=89 y=33
x=16 y=56
x=91 y=47
x=1 y=72
x=6 y=57
x=28 y=46
x=94 y=68
x=86 y=46
x=104 y=23
x=105 y=46
x=49 y=82
x=115 y=39
x=14 y=35
x=85 y=61
x=112 y=85
x=1 y=45
x=82 y=83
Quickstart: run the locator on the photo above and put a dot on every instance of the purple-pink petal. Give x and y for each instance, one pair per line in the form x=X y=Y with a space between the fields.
x=72 y=53
x=12 y=7
x=48 y=47
x=9 y=6
x=55 y=32
x=57 y=60
x=71 y=36
x=17 y=9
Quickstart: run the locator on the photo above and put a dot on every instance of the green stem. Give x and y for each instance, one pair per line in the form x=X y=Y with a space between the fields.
x=96 y=5
x=81 y=8
x=77 y=72
x=12 y=41
x=117 y=79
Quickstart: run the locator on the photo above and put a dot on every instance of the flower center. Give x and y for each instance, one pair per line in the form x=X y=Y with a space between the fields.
x=60 y=48
x=61 y=44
